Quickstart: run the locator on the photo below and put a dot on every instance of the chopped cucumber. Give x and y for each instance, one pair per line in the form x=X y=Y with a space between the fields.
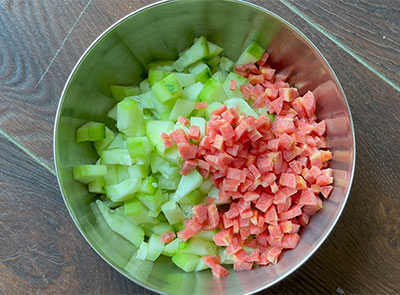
x=153 y=201
x=193 y=198
x=120 y=92
x=121 y=225
x=112 y=113
x=144 y=86
x=167 y=89
x=155 y=162
x=154 y=129
x=206 y=235
x=156 y=76
x=116 y=156
x=226 y=64
x=149 y=185
x=97 y=186
x=185 y=79
x=214 y=62
x=200 y=71
x=130 y=118
x=182 y=108
x=198 y=51
x=212 y=91
x=219 y=76
x=169 y=184
x=91 y=131
x=117 y=143
x=192 y=92
x=185 y=261
x=155 y=247
x=199 y=247
x=214 y=50
x=172 y=212
x=172 y=155
x=137 y=212
x=142 y=251
x=162 y=65
x=201 y=266
x=162 y=228
x=242 y=105
x=206 y=186
x=172 y=248
x=88 y=173
x=187 y=184
x=101 y=145
x=124 y=190
x=139 y=171
x=252 y=53
x=138 y=147
x=239 y=82
x=224 y=258
x=146 y=100
x=168 y=171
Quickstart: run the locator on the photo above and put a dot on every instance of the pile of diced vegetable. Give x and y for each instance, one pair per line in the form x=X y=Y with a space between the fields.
x=210 y=162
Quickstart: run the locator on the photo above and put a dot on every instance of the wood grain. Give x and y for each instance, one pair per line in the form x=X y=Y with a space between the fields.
x=41 y=250
x=369 y=28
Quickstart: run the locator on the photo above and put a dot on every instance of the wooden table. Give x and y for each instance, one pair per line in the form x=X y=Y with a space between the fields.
x=41 y=251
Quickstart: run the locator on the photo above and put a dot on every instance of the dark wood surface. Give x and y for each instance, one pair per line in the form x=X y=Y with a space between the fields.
x=41 y=251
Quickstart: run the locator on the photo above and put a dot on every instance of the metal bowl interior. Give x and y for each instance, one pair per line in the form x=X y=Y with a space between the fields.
x=160 y=31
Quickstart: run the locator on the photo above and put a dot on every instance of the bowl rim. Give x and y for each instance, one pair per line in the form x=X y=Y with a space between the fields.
x=263 y=10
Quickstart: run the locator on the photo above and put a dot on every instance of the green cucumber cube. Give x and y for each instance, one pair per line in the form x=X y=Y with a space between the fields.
x=117 y=143
x=193 y=198
x=186 y=261
x=138 y=213
x=91 y=131
x=144 y=86
x=154 y=128
x=201 y=266
x=138 y=147
x=198 y=51
x=120 y=92
x=239 y=82
x=172 y=212
x=206 y=186
x=112 y=176
x=172 y=248
x=153 y=201
x=155 y=162
x=214 y=62
x=187 y=184
x=219 y=76
x=224 y=258
x=193 y=91
x=149 y=185
x=139 y=171
x=162 y=228
x=169 y=184
x=121 y=225
x=97 y=186
x=156 y=76
x=130 y=118
x=172 y=155
x=162 y=110
x=88 y=173
x=212 y=91
x=167 y=89
x=112 y=113
x=101 y=145
x=142 y=251
x=155 y=247
x=200 y=71
x=199 y=247
x=185 y=79
x=206 y=235
x=146 y=100
x=226 y=64
x=252 y=53
x=162 y=65
x=124 y=190
x=214 y=50
x=182 y=108
x=242 y=105
x=168 y=171
x=116 y=156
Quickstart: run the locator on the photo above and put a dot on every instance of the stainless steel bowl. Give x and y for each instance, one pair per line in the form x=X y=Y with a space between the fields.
x=160 y=31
